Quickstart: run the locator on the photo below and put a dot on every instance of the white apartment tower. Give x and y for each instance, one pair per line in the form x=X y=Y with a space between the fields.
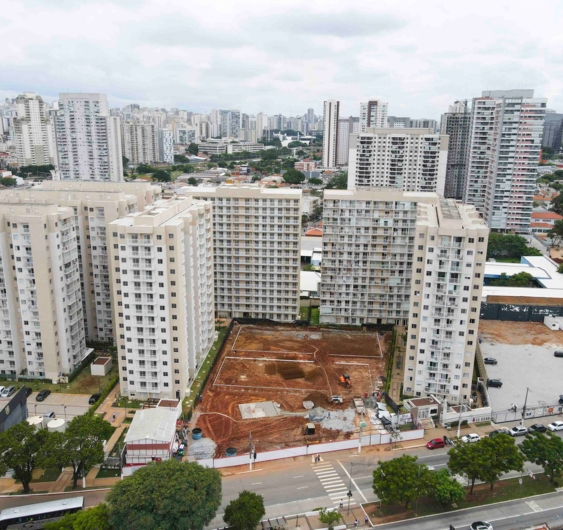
x=33 y=132
x=368 y=246
x=88 y=139
x=163 y=296
x=346 y=127
x=447 y=279
x=166 y=145
x=408 y=159
x=140 y=142
x=456 y=124
x=257 y=249
x=504 y=149
x=373 y=113
x=331 y=111
x=42 y=328
x=230 y=123
x=94 y=205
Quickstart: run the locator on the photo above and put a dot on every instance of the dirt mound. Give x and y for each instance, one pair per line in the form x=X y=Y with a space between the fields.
x=290 y=371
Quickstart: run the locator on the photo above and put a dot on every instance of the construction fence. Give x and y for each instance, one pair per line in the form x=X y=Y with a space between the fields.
x=537 y=411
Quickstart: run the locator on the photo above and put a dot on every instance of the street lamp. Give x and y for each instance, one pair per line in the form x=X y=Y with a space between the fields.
x=524 y=407
x=65 y=411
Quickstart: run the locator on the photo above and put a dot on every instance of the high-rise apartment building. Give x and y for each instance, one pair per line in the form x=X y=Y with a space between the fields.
x=408 y=159
x=456 y=123
x=166 y=145
x=139 y=142
x=448 y=266
x=257 y=238
x=504 y=149
x=88 y=139
x=373 y=113
x=331 y=111
x=553 y=131
x=368 y=246
x=310 y=116
x=94 y=205
x=404 y=122
x=261 y=124
x=42 y=325
x=346 y=127
x=163 y=296
x=230 y=123
x=33 y=132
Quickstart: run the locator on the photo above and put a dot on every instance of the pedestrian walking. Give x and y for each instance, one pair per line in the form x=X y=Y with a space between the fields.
x=113 y=416
x=329 y=415
x=355 y=523
x=366 y=519
x=341 y=504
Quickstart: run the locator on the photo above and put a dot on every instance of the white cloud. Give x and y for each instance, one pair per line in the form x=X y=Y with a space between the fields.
x=282 y=57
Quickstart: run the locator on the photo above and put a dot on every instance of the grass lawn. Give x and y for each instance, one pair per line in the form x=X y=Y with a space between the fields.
x=504 y=490
x=127 y=403
x=304 y=313
x=50 y=475
x=315 y=316
x=119 y=444
x=508 y=260
x=108 y=473
x=84 y=383
x=197 y=385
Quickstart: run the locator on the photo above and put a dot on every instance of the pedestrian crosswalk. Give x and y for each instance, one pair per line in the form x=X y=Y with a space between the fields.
x=334 y=486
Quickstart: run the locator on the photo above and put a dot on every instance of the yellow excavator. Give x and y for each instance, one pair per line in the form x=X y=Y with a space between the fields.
x=345 y=380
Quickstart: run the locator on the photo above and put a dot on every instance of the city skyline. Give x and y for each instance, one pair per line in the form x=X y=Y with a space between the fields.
x=280 y=59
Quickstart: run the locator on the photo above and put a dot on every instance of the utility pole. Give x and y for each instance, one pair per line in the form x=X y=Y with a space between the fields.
x=250 y=451
x=459 y=420
x=350 y=488
x=524 y=407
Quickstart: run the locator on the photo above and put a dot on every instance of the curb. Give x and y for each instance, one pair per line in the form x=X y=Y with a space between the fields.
x=54 y=493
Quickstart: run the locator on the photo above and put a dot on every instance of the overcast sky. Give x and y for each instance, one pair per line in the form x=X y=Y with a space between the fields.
x=282 y=57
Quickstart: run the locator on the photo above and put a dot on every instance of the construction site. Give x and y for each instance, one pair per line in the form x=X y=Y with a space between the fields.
x=285 y=386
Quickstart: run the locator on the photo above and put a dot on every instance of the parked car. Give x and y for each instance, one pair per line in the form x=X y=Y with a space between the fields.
x=558 y=353
x=537 y=427
x=50 y=415
x=436 y=443
x=555 y=426
x=42 y=395
x=518 y=431
x=502 y=430
x=28 y=391
x=490 y=360
x=494 y=383
x=480 y=525
x=8 y=391
x=94 y=398
x=1 y=389
x=470 y=438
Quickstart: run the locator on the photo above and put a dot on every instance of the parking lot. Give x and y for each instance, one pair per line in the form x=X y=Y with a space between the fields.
x=525 y=359
x=76 y=405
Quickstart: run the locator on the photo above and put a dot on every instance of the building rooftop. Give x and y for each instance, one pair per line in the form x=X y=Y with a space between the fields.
x=153 y=424
x=546 y=215
x=309 y=280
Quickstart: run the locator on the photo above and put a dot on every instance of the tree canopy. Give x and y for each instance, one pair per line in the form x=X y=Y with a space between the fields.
x=508 y=245
x=193 y=149
x=329 y=517
x=503 y=455
x=161 y=175
x=269 y=154
x=34 y=170
x=9 y=182
x=556 y=204
x=338 y=182
x=446 y=489
x=20 y=450
x=468 y=458
x=168 y=495
x=292 y=176
x=96 y=518
x=556 y=233
x=521 y=279
x=545 y=450
x=181 y=159
x=401 y=479
x=192 y=181
x=245 y=512
x=315 y=181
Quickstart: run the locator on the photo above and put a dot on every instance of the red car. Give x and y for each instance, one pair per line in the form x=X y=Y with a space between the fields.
x=436 y=443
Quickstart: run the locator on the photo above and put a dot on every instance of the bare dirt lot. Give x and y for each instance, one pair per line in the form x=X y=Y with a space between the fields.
x=286 y=365
x=534 y=333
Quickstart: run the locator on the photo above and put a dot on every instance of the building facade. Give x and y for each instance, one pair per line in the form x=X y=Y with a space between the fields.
x=331 y=111
x=140 y=143
x=346 y=127
x=88 y=139
x=373 y=113
x=42 y=328
x=448 y=266
x=34 y=136
x=230 y=123
x=456 y=123
x=553 y=131
x=166 y=145
x=94 y=206
x=504 y=150
x=163 y=296
x=257 y=233
x=408 y=159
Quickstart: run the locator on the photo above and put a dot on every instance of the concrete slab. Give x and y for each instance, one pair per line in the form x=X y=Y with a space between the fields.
x=262 y=409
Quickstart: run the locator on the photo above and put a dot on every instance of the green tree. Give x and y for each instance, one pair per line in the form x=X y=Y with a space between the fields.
x=9 y=182
x=292 y=176
x=309 y=267
x=338 y=182
x=521 y=279
x=256 y=178
x=314 y=181
x=182 y=159
x=161 y=175
x=446 y=489
x=401 y=479
x=20 y=451
x=556 y=204
x=143 y=169
x=96 y=518
x=556 y=233
x=269 y=154
x=503 y=456
x=245 y=512
x=545 y=450
x=80 y=446
x=35 y=170
x=125 y=161
x=192 y=181
x=329 y=517
x=171 y=494
x=193 y=149
x=469 y=459
x=295 y=143
x=506 y=245
x=547 y=152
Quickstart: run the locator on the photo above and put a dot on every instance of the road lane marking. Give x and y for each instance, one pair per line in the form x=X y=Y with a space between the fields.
x=353 y=481
x=302 y=487
x=255 y=483
x=329 y=474
x=299 y=476
x=330 y=481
